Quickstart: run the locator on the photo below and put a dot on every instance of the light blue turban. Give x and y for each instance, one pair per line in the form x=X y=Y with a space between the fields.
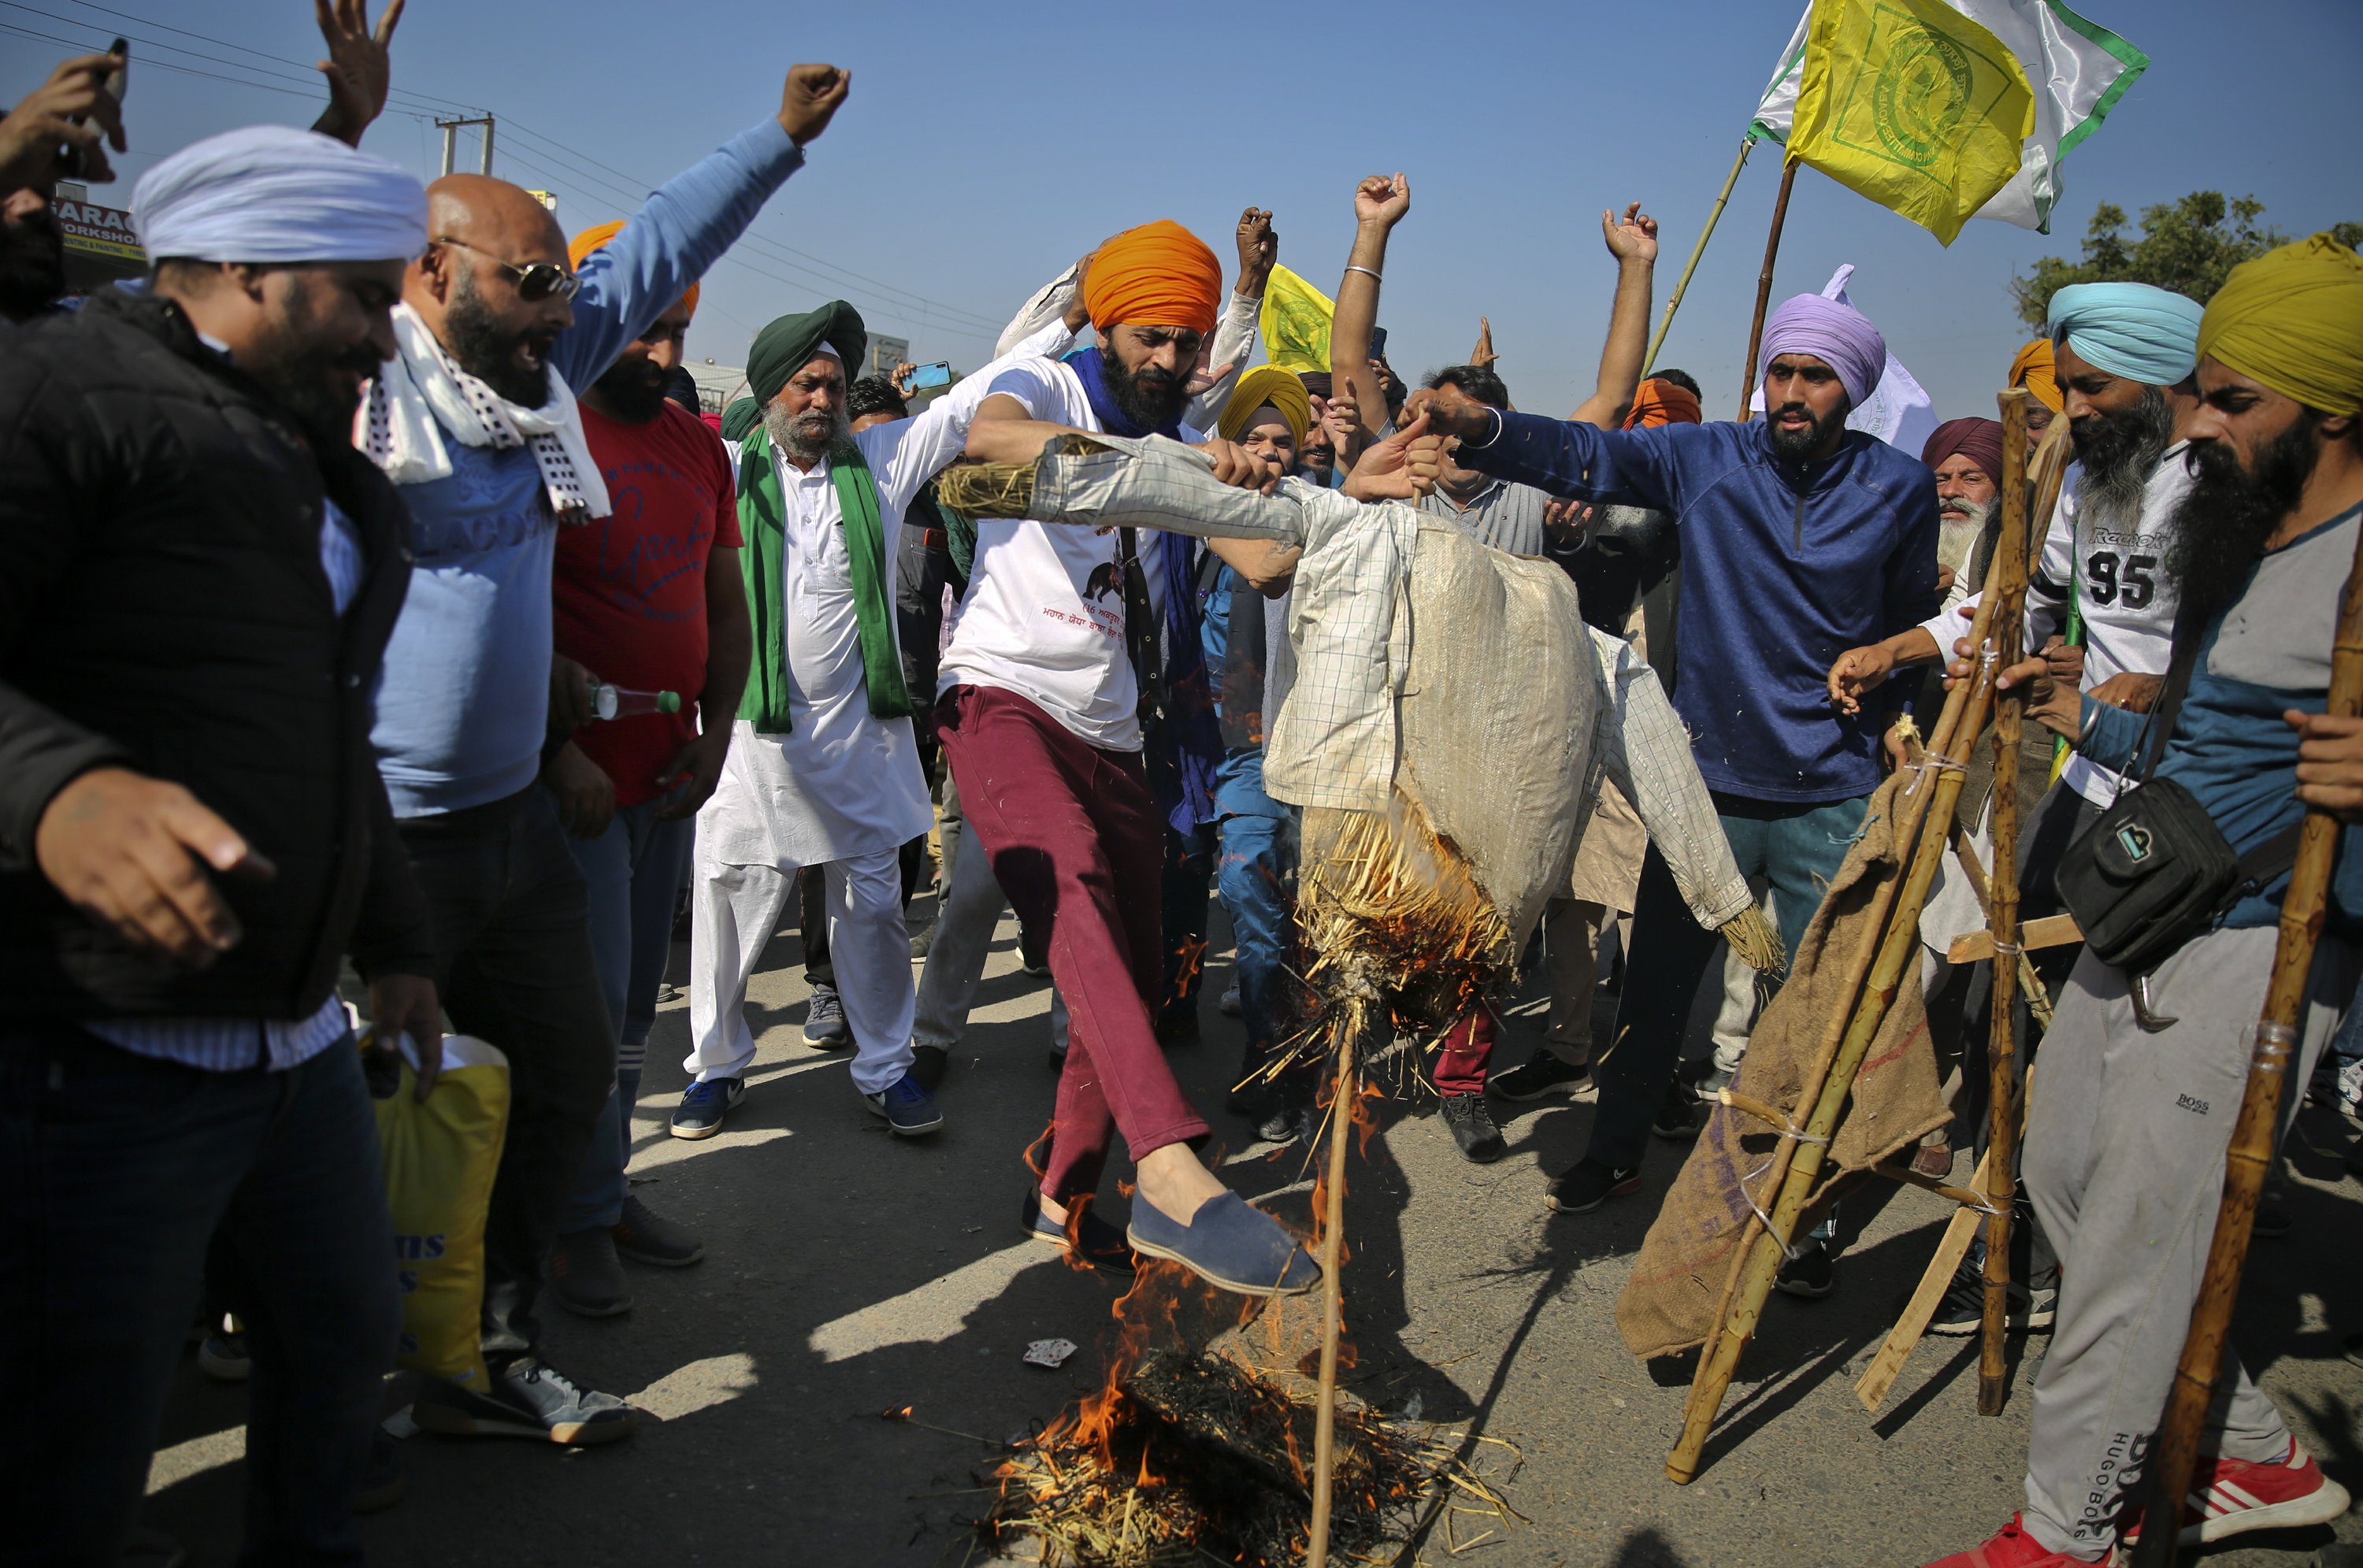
x=272 y=194
x=2128 y=329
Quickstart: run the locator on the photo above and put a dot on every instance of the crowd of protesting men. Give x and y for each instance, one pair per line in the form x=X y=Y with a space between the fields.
x=328 y=535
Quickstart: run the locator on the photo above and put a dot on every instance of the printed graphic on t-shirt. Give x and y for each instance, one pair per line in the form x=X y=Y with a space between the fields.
x=2122 y=567
x=633 y=559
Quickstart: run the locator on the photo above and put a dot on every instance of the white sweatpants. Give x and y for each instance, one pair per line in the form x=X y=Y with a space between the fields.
x=734 y=909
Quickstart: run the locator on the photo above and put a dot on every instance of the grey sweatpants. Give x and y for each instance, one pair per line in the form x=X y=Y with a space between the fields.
x=2125 y=1140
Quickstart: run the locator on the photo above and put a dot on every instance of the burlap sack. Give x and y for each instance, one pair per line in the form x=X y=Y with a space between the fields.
x=1497 y=717
x=1669 y=1304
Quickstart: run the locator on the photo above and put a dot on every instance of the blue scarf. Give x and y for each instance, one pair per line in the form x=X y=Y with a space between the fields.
x=1191 y=737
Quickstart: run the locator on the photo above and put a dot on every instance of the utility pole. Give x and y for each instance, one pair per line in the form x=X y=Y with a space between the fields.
x=451 y=139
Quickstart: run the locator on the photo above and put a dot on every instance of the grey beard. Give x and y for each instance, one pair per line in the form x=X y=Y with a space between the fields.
x=789 y=433
x=1958 y=532
x=2116 y=478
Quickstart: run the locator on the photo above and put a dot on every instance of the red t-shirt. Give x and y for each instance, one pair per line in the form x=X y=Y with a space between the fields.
x=630 y=587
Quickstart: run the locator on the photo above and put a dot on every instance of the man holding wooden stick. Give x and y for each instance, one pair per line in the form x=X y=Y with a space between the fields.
x=2142 y=1074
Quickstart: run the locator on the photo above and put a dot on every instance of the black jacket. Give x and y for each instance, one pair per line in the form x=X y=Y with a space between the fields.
x=163 y=608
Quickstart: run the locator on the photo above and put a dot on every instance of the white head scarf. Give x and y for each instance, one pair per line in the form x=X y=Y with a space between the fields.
x=271 y=194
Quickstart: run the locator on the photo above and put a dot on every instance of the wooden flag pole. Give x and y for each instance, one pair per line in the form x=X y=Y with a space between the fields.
x=1325 y=1418
x=2001 y=913
x=1764 y=289
x=2250 y=1154
x=1674 y=300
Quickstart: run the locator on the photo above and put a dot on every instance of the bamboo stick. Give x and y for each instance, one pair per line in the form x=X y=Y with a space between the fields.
x=1324 y=1419
x=1714 y=213
x=1905 y=1338
x=1748 y=376
x=2001 y=918
x=2250 y=1153
x=1886 y=932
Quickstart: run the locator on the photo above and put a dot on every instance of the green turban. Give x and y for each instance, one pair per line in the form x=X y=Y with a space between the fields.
x=742 y=415
x=789 y=343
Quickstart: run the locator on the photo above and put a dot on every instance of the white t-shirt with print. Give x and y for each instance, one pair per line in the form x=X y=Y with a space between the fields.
x=1044 y=613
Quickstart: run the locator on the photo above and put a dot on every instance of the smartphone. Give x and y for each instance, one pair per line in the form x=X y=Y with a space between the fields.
x=1378 y=343
x=927 y=378
x=71 y=163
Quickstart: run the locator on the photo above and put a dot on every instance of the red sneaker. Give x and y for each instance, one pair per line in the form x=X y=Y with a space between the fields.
x=2012 y=1548
x=2235 y=1496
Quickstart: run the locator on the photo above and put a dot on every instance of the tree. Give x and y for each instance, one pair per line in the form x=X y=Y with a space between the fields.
x=2187 y=246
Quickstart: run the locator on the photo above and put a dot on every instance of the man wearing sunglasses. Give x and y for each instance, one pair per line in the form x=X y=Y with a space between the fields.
x=475 y=419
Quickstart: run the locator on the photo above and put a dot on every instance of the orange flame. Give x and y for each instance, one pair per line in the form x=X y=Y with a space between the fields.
x=1193 y=956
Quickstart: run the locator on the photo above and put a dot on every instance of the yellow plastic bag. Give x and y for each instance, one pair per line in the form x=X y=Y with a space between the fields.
x=440 y=1158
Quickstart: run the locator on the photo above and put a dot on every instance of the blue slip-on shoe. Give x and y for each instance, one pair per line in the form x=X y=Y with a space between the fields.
x=1097 y=1243
x=825 y=1025
x=704 y=1105
x=1228 y=1243
x=909 y=1109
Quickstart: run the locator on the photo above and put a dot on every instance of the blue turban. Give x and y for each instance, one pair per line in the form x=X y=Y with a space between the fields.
x=2132 y=330
x=1838 y=334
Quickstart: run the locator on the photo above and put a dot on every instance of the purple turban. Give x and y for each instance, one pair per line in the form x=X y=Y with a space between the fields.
x=1979 y=440
x=1838 y=334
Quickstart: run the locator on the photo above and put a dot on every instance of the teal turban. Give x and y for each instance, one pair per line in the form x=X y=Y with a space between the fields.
x=787 y=344
x=2128 y=329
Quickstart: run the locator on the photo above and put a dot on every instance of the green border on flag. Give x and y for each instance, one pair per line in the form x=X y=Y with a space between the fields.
x=1757 y=130
x=2134 y=60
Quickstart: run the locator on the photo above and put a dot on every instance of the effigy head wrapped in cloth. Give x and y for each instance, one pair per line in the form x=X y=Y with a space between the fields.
x=1446 y=718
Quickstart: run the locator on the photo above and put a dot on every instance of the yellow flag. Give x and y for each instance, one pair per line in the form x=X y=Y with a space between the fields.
x=1912 y=104
x=1295 y=322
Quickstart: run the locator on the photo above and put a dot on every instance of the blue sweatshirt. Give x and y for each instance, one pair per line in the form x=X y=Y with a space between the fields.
x=2266 y=652
x=1784 y=568
x=463 y=700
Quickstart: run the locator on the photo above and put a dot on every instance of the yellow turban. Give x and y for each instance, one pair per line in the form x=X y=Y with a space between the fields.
x=591 y=238
x=2033 y=369
x=1157 y=275
x=1267 y=384
x=2292 y=319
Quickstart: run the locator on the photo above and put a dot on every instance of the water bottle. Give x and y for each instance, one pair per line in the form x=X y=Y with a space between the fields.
x=623 y=702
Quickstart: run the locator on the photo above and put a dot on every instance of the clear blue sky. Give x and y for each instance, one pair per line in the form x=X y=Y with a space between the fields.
x=984 y=147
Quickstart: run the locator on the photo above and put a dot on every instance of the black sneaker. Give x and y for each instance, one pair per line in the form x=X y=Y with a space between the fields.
x=825 y=1025
x=586 y=1275
x=1808 y=1275
x=1472 y=1128
x=923 y=939
x=928 y=1063
x=1962 y=1313
x=1539 y=1076
x=1677 y=1120
x=528 y=1398
x=1285 y=1123
x=704 y=1104
x=1587 y=1185
x=650 y=1238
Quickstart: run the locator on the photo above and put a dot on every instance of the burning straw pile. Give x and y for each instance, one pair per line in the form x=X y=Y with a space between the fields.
x=1191 y=1458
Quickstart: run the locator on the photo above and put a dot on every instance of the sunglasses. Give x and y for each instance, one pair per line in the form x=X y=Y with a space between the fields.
x=536 y=281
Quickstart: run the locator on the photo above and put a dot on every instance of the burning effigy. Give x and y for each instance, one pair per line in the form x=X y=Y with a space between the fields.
x=1447 y=720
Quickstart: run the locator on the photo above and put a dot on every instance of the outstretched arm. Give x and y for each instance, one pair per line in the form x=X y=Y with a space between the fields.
x=1566 y=459
x=1634 y=243
x=360 y=67
x=1380 y=203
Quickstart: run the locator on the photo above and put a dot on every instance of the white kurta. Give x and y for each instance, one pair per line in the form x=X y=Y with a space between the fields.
x=842 y=782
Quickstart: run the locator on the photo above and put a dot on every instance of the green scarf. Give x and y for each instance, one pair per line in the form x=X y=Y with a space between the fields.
x=762 y=514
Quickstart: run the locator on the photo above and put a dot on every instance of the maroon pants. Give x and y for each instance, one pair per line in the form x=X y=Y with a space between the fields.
x=1468 y=1047
x=1076 y=843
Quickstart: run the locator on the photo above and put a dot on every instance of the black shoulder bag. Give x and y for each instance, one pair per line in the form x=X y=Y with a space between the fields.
x=2155 y=871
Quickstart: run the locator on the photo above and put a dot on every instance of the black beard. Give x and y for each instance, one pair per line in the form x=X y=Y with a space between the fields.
x=2118 y=452
x=32 y=264
x=1150 y=398
x=486 y=349
x=1801 y=448
x=625 y=393
x=2222 y=525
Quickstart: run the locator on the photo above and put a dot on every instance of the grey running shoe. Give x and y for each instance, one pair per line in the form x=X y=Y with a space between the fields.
x=824 y=1024
x=528 y=1398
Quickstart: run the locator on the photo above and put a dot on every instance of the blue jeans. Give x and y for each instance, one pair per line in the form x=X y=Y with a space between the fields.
x=116 y=1171
x=632 y=873
x=1797 y=849
x=1260 y=848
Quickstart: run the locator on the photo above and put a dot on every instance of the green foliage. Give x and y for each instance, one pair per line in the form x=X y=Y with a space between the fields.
x=2187 y=246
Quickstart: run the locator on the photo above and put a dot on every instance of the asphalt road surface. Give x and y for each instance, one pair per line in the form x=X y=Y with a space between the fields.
x=848 y=1273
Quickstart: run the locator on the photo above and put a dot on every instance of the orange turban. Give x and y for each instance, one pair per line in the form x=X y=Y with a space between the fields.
x=1662 y=402
x=2033 y=369
x=591 y=238
x=1157 y=275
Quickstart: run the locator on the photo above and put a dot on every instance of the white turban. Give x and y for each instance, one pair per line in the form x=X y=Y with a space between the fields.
x=272 y=194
